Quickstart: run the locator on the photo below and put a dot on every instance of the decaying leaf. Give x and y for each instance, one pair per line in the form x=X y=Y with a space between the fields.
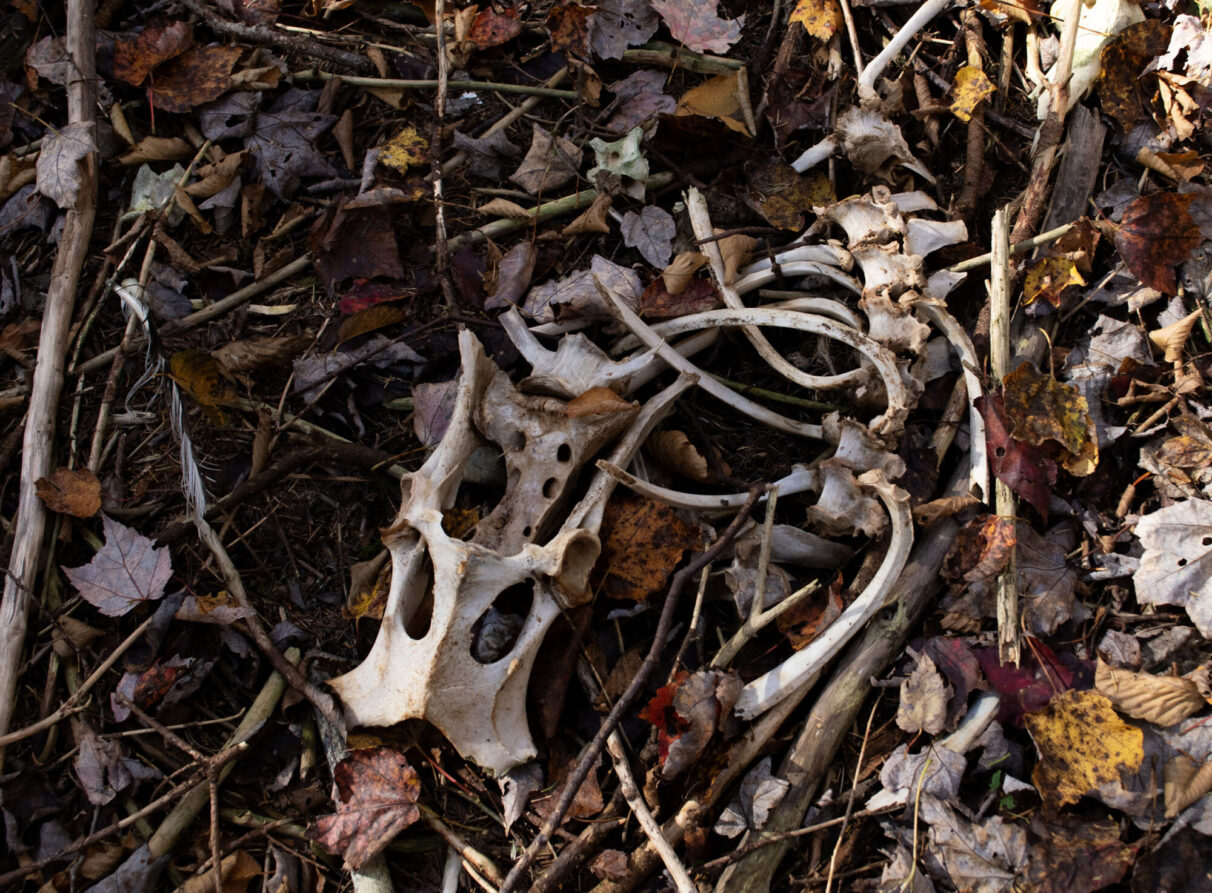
x=642 y=543
x=780 y=194
x=1082 y=744
x=686 y=713
x=238 y=357
x=71 y=491
x=651 y=233
x=619 y=24
x=1125 y=90
x=125 y=572
x=981 y=550
x=681 y=271
x=157 y=43
x=820 y=18
x=376 y=794
x=59 y=162
x=924 y=696
x=596 y=401
x=698 y=26
x=593 y=219
x=1176 y=568
x=1185 y=782
x=1048 y=277
x=1155 y=233
x=568 y=24
x=1020 y=466
x=1049 y=413
x=675 y=452
x=202 y=377
x=805 y=621
x=491 y=28
x=1163 y=700
x=407 y=149
x=716 y=98
x=588 y=800
x=197 y=76
x=972 y=87
x=549 y=164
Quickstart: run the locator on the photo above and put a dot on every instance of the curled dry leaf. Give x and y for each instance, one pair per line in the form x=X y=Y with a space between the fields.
x=244 y=356
x=376 y=793
x=674 y=450
x=549 y=164
x=681 y=270
x=1185 y=782
x=1163 y=700
x=736 y=250
x=593 y=219
x=74 y=492
x=596 y=401
x=923 y=704
x=1173 y=338
x=720 y=98
x=686 y=713
x=502 y=207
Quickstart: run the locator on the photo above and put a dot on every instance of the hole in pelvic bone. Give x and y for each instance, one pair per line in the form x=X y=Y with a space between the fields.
x=550 y=488
x=418 y=598
x=496 y=631
x=564 y=453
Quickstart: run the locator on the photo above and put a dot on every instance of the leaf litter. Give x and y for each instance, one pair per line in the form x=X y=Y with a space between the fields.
x=310 y=342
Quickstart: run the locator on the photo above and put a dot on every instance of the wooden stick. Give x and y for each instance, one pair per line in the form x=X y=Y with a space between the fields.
x=30 y=522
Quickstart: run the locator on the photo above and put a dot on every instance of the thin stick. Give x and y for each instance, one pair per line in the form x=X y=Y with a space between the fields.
x=858 y=768
x=312 y=74
x=631 y=793
x=1004 y=503
x=441 y=249
x=594 y=749
x=30 y=519
x=981 y=260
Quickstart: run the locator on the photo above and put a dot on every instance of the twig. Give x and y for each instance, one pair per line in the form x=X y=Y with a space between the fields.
x=30 y=518
x=1004 y=503
x=974 y=165
x=858 y=769
x=313 y=74
x=631 y=793
x=657 y=52
x=72 y=704
x=441 y=249
x=235 y=586
x=981 y=260
x=594 y=749
x=266 y=36
x=465 y=850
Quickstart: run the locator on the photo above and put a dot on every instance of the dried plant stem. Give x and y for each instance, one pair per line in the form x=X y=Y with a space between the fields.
x=312 y=74
x=999 y=350
x=30 y=519
x=593 y=750
x=974 y=263
x=631 y=793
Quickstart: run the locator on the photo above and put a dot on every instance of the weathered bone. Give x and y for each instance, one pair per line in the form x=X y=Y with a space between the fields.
x=421 y=664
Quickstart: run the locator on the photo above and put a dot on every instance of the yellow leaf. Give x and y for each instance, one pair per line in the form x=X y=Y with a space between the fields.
x=820 y=18
x=715 y=98
x=971 y=86
x=406 y=149
x=200 y=375
x=1082 y=744
x=1048 y=277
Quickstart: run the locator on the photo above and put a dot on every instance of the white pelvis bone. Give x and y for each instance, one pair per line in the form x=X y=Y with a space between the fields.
x=421 y=664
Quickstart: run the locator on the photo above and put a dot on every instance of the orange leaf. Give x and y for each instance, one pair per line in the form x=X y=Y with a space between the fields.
x=642 y=544
x=72 y=492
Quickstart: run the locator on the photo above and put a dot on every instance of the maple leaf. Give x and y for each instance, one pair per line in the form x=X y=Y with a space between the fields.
x=126 y=571
x=697 y=26
x=650 y=232
x=687 y=712
x=1176 y=567
x=820 y=18
x=377 y=794
x=155 y=44
x=491 y=28
x=1155 y=233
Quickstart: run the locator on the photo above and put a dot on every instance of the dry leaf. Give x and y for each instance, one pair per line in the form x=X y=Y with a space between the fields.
x=642 y=543
x=1173 y=338
x=820 y=18
x=1082 y=744
x=1048 y=277
x=1155 y=233
x=681 y=270
x=125 y=572
x=502 y=207
x=593 y=219
x=716 y=98
x=1047 y=412
x=376 y=792
x=736 y=251
x=74 y=492
x=491 y=28
x=407 y=149
x=972 y=86
x=686 y=713
x=202 y=377
x=674 y=450
x=1176 y=567
x=923 y=704
x=1185 y=782
x=549 y=164
x=596 y=401
x=696 y=24
x=244 y=356
x=151 y=47
x=1163 y=700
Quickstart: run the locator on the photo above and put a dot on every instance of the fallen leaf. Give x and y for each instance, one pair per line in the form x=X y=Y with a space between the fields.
x=1176 y=567
x=805 y=621
x=619 y=24
x=687 y=713
x=154 y=45
x=202 y=377
x=736 y=251
x=596 y=401
x=376 y=794
x=1049 y=413
x=638 y=98
x=579 y=295
x=128 y=570
x=284 y=140
x=643 y=542
x=820 y=18
x=59 y=162
x=1173 y=338
x=568 y=26
x=972 y=87
x=680 y=273
x=74 y=492
x=587 y=802
x=1046 y=582
x=1163 y=700
x=676 y=453
x=238 y=357
x=1041 y=675
x=364 y=293
x=980 y=551
x=404 y=150
x=354 y=244
x=1020 y=466
x=1125 y=89
x=1155 y=233
x=593 y=219
x=1185 y=782
x=198 y=76
x=491 y=28
x=780 y=194
x=235 y=871
x=220 y=609
x=549 y=164
x=1082 y=744
x=1048 y=277
x=487 y=154
x=1080 y=856
x=609 y=865
x=923 y=703
x=503 y=207
x=698 y=26
x=715 y=98
x=651 y=233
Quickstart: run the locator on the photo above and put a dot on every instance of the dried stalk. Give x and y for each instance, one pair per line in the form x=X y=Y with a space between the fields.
x=30 y=520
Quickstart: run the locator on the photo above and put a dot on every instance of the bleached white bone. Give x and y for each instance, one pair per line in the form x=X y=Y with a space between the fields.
x=834 y=255
x=767 y=690
x=756 y=279
x=927 y=236
x=800 y=478
x=867 y=218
